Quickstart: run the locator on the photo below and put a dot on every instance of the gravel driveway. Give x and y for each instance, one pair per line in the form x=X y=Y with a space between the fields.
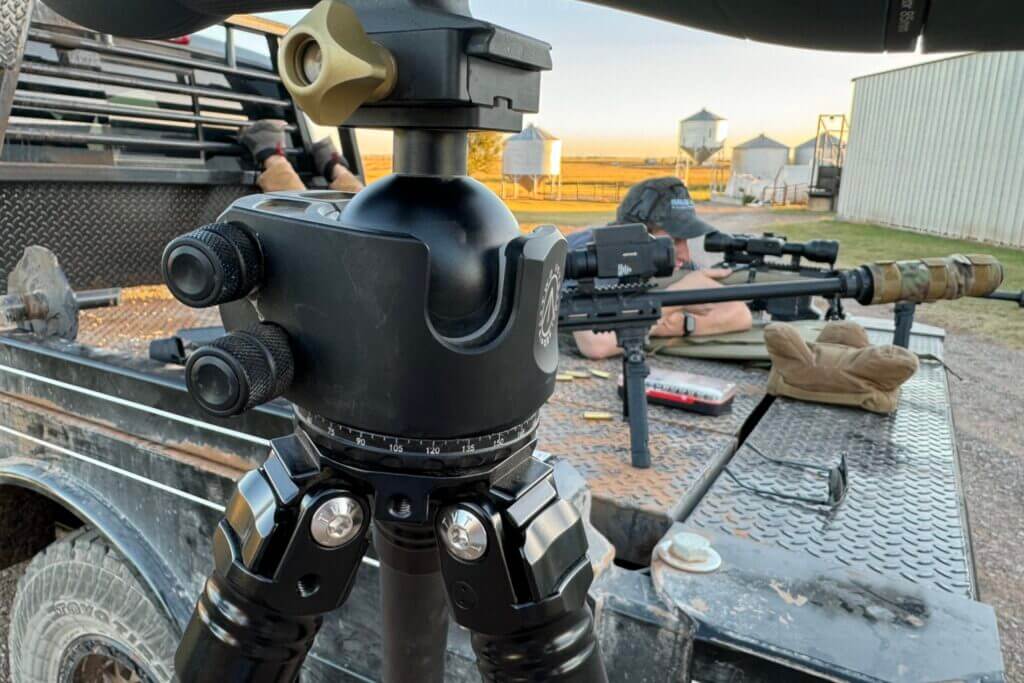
x=986 y=407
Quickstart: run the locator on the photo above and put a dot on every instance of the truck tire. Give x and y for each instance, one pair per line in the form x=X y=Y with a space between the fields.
x=81 y=615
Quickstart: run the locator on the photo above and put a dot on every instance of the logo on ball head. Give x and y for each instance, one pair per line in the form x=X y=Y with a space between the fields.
x=547 y=321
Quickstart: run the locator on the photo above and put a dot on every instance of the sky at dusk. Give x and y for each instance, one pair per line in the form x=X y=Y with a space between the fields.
x=621 y=82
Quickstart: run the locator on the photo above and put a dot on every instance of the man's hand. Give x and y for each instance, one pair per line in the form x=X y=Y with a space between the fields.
x=716 y=273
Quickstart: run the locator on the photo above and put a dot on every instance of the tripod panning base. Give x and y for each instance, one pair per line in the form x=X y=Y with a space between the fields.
x=512 y=563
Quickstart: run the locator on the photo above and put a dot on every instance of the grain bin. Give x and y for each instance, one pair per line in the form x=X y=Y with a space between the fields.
x=702 y=135
x=803 y=154
x=533 y=153
x=761 y=157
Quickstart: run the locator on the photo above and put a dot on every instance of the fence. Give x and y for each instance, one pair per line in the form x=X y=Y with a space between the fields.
x=578 y=190
x=567 y=190
x=784 y=194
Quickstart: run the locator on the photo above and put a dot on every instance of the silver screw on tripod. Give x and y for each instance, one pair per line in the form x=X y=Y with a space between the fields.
x=337 y=521
x=463 y=534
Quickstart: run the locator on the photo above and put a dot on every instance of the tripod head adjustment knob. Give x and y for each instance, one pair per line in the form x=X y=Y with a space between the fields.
x=212 y=265
x=331 y=67
x=241 y=370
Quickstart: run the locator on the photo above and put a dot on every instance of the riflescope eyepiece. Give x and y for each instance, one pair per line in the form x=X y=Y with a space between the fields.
x=622 y=251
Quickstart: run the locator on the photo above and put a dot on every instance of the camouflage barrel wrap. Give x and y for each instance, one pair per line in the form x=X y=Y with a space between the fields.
x=933 y=279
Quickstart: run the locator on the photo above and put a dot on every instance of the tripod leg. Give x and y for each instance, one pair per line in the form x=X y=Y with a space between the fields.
x=286 y=552
x=516 y=569
x=410 y=586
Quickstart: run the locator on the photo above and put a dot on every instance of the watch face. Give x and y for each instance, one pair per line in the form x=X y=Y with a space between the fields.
x=689 y=324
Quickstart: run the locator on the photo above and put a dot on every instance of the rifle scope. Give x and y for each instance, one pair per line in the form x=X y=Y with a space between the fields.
x=818 y=251
x=626 y=252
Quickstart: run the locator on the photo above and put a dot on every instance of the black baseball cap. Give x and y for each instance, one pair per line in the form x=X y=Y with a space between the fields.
x=665 y=203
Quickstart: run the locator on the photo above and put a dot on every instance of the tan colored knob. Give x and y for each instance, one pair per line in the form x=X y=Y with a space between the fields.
x=331 y=67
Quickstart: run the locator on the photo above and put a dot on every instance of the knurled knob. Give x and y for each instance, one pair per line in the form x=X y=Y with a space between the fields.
x=212 y=265
x=241 y=370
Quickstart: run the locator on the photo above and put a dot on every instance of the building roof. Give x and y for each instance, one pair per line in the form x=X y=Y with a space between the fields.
x=532 y=132
x=916 y=66
x=762 y=141
x=813 y=142
x=704 y=115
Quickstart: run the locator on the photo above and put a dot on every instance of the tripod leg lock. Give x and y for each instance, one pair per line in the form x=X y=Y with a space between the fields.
x=527 y=588
x=286 y=552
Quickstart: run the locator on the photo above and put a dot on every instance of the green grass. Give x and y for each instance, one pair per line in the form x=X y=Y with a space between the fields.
x=861 y=243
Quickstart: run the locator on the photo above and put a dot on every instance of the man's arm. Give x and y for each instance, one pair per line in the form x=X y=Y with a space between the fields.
x=729 y=316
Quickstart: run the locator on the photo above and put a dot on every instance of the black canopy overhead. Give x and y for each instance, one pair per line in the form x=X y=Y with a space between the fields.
x=854 y=25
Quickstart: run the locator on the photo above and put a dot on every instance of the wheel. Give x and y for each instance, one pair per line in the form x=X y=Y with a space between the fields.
x=81 y=615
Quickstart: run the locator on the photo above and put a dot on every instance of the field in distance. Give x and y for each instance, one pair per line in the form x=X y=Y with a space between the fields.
x=588 y=172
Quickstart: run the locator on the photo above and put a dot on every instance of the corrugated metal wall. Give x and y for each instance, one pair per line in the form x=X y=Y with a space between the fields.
x=940 y=148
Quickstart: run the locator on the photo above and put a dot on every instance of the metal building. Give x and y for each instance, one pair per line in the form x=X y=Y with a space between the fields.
x=939 y=148
x=761 y=157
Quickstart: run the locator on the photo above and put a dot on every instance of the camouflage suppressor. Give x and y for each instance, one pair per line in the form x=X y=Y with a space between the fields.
x=932 y=279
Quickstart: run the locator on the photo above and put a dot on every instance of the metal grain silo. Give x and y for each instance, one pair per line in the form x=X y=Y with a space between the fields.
x=702 y=134
x=761 y=157
x=803 y=154
x=533 y=153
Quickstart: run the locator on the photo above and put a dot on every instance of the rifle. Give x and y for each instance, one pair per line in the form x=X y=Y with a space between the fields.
x=750 y=253
x=609 y=288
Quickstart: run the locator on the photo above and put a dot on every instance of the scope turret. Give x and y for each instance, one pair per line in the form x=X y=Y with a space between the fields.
x=212 y=265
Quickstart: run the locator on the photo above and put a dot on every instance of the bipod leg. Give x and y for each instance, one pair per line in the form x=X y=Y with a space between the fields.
x=904 y=321
x=634 y=394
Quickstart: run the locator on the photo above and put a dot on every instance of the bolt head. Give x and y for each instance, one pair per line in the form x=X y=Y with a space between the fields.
x=337 y=521
x=690 y=547
x=463 y=534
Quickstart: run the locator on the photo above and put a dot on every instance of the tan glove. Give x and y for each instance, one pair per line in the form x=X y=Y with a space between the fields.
x=841 y=367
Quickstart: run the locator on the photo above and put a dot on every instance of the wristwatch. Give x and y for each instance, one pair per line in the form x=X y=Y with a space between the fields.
x=689 y=324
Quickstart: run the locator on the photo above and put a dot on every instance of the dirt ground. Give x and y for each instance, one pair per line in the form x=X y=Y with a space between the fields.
x=992 y=465
x=988 y=428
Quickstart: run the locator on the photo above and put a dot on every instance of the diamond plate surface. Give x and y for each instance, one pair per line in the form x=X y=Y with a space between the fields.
x=601 y=394
x=145 y=314
x=903 y=514
x=634 y=507
x=105 y=234
x=12 y=24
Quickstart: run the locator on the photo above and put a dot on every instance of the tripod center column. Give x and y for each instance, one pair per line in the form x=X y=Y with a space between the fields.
x=430 y=152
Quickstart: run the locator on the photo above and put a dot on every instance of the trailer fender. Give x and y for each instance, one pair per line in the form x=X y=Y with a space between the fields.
x=89 y=507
